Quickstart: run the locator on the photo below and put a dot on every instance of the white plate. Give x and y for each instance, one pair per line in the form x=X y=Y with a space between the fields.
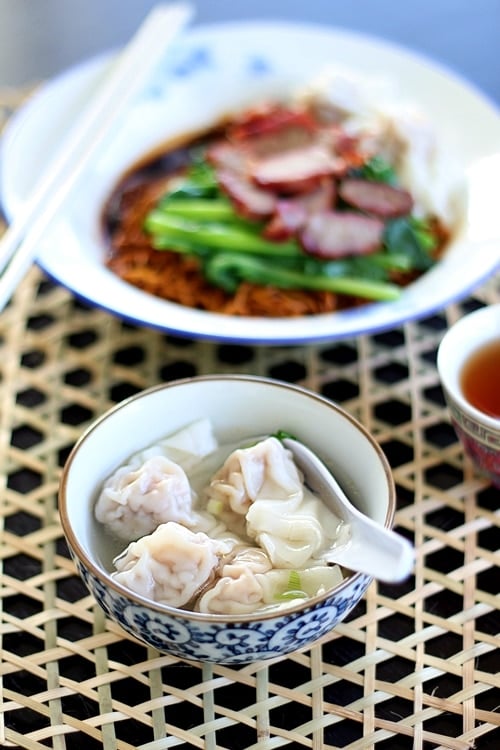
x=213 y=69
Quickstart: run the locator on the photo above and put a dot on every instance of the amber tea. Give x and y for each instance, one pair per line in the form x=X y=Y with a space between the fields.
x=480 y=378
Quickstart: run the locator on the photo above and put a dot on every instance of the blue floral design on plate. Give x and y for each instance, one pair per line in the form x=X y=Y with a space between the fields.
x=259 y=66
x=191 y=61
x=179 y=65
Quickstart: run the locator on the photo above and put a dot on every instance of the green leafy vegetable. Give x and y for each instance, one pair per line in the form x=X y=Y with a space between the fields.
x=377 y=169
x=410 y=237
x=282 y=434
x=214 y=235
x=227 y=270
x=199 y=209
x=199 y=181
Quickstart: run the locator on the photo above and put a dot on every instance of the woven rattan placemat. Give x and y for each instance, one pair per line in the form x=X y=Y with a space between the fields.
x=415 y=666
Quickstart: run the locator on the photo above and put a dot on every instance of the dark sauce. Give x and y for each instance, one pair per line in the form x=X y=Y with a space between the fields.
x=480 y=379
x=168 y=160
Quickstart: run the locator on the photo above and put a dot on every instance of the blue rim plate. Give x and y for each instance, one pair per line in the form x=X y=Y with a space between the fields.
x=211 y=70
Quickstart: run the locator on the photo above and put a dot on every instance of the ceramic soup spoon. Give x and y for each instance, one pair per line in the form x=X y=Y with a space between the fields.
x=370 y=548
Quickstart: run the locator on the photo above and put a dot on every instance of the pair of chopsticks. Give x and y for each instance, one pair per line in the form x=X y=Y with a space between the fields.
x=128 y=74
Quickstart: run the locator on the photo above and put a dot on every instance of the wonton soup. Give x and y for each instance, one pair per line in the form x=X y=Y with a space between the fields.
x=218 y=529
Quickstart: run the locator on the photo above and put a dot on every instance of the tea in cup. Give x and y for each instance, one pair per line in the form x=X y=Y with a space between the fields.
x=469 y=367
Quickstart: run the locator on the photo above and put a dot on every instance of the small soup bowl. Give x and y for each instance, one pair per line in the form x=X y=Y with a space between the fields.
x=478 y=431
x=238 y=407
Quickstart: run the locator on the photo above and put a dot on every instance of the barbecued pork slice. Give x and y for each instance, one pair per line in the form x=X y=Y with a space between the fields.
x=297 y=170
x=248 y=200
x=231 y=168
x=225 y=155
x=271 y=130
x=340 y=234
x=344 y=144
x=377 y=198
x=291 y=214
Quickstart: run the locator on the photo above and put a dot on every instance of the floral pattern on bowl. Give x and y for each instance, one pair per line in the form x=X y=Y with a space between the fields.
x=224 y=642
x=487 y=459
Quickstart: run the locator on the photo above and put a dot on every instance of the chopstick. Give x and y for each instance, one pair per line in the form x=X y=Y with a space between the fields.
x=128 y=74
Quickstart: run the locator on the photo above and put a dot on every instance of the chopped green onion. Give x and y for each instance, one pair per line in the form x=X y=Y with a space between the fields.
x=293 y=590
x=297 y=594
x=215 y=506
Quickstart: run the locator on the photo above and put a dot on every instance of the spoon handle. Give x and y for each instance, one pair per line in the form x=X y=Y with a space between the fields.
x=376 y=551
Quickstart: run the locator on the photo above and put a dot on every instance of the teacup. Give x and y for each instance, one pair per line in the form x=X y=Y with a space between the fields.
x=470 y=349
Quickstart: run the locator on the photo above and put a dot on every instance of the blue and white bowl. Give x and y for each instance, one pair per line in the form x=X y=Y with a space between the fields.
x=238 y=406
